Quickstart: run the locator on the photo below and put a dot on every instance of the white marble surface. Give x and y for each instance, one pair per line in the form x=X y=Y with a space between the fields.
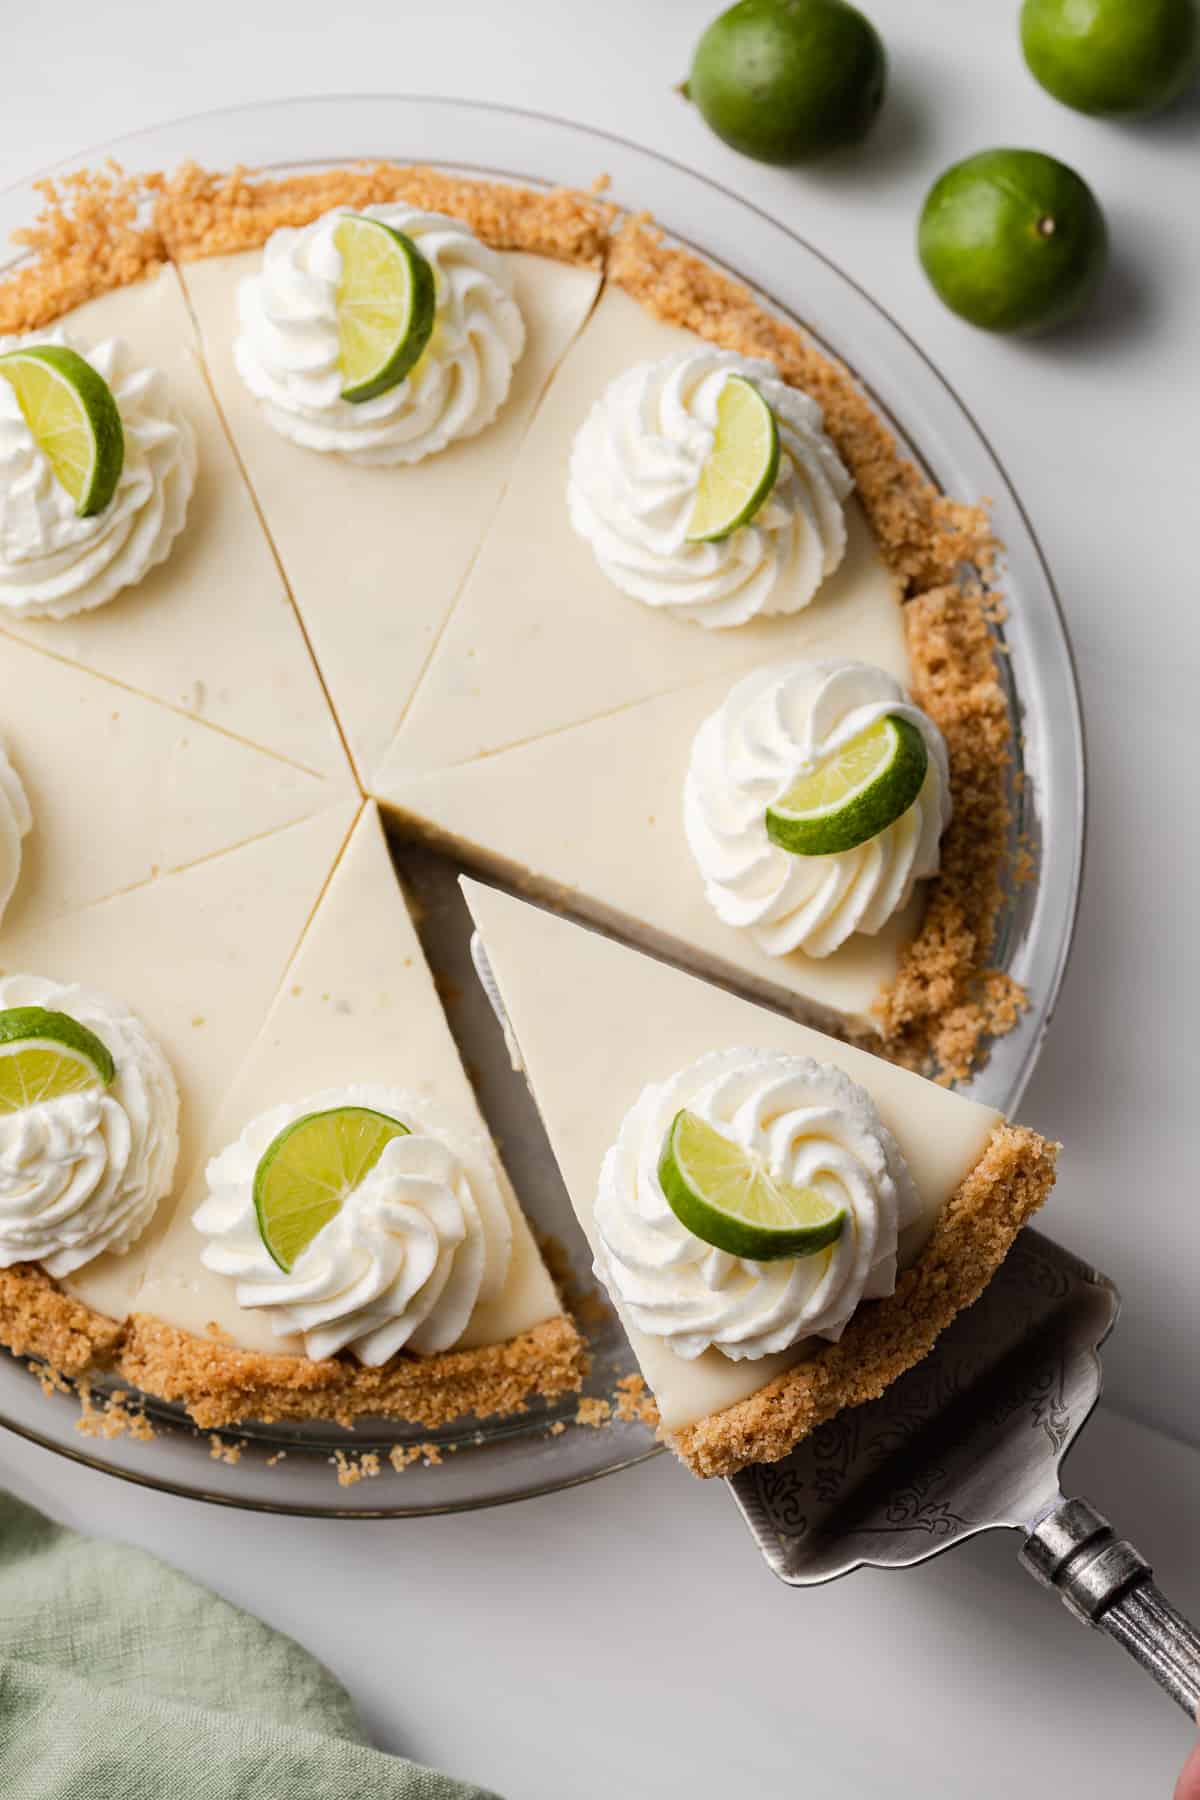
x=641 y=1579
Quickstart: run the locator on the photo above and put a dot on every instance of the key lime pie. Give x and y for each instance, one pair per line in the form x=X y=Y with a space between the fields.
x=380 y=496
x=784 y=1222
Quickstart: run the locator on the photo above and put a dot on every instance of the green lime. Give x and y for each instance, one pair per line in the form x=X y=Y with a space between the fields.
x=783 y=80
x=44 y=1055
x=1113 y=57
x=74 y=420
x=310 y=1168
x=740 y=469
x=386 y=299
x=1012 y=240
x=855 y=794
x=728 y=1197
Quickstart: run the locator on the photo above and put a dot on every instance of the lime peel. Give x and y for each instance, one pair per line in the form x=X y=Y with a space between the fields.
x=854 y=794
x=726 y=1196
x=73 y=418
x=45 y=1054
x=386 y=304
x=310 y=1168
x=740 y=469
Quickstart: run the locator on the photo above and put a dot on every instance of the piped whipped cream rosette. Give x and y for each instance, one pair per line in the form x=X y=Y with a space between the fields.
x=288 y=348
x=16 y=821
x=636 y=472
x=55 y=562
x=779 y=723
x=805 y=1124
x=87 y=1148
x=405 y=1255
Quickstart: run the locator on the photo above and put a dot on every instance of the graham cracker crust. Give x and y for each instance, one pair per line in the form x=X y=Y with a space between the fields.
x=886 y=1337
x=38 y=1318
x=221 y=1385
x=201 y=213
x=103 y=230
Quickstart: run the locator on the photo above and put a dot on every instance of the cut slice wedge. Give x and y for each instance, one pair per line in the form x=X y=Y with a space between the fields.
x=44 y=1055
x=726 y=1195
x=855 y=794
x=386 y=300
x=633 y=1020
x=741 y=467
x=70 y=410
x=307 y=1172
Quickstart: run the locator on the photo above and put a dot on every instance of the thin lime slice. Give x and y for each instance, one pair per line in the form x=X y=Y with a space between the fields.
x=44 y=1055
x=855 y=794
x=386 y=299
x=728 y=1197
x=71 y=412
x=306 y=1173
x=741 y=467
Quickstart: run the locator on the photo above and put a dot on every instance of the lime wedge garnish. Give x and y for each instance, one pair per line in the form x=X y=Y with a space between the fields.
x=309 y=1169
x=71 y=412
x=386 y=300
x=741 y=467
x=855 y=794
x=728 y=1197
x=44 y=1055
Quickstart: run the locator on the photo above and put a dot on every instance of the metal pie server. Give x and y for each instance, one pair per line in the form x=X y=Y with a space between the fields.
x=971 y=1440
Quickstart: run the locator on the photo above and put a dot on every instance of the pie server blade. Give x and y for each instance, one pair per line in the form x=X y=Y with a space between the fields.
x=971 y=1440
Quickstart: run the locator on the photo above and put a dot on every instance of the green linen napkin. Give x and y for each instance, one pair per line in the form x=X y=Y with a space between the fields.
x=122 y=1680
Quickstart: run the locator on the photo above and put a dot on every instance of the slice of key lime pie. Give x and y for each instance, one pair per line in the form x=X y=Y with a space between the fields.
x=379 y=487
x=784 y=1222
x=349 y=1205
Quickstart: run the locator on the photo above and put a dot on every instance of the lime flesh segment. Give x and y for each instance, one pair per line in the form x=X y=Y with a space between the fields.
x=386 y=300
x=726 y=1196
x=310 y=1168
x=44 y=1055
x=853 y=796
x=741 y=467
x=74 y=420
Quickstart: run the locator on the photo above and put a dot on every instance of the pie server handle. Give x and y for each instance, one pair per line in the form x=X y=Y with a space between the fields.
x=1106 y=1583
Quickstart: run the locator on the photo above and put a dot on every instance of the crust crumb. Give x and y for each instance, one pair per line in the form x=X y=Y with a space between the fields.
x=593 y=1411
x=220 y=1451
x=203 y=213
x=353 y=1469
x=220 y=1385
x=403 y=1456
x=89 y=238
x=633 y=1402
x=116 y=1416
x=885 y=1337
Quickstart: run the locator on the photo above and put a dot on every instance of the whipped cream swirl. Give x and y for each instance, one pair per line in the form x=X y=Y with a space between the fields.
x=635 y=470
x=777 y=724
x=53 y=564
x=16 y=820
x=287 y=345
x=415 y=1248
x=83 y=1173
x=812 y=1126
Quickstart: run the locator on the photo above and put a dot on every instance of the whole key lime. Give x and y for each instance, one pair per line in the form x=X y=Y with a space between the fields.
x=1012 y=240
x=1116 y=58
x=784 y=80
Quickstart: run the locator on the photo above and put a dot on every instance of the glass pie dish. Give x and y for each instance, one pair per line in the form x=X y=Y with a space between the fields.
x=381 y=1469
